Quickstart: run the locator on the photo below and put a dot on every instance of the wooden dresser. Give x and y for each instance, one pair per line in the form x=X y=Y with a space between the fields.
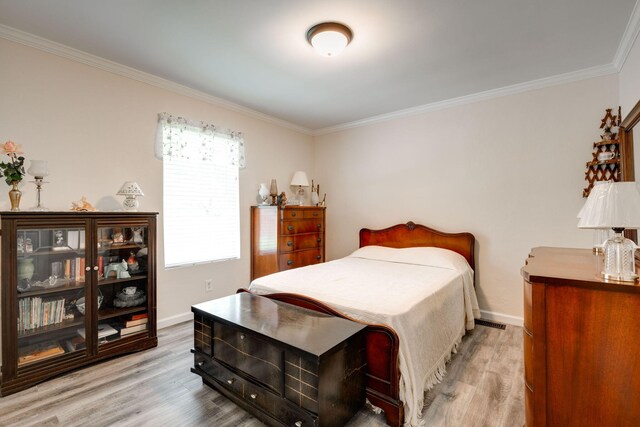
x=286 y=238
x=287 y=365
x=581 y=335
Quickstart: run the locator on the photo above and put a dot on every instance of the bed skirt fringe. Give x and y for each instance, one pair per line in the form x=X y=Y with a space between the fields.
x=436 y=377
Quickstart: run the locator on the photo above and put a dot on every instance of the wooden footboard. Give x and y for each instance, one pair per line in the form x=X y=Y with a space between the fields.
x=383 y=376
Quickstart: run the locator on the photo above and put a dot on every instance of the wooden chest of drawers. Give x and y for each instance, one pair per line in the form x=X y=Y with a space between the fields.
x=581 y=364
x=286 y=238
x=285 y=364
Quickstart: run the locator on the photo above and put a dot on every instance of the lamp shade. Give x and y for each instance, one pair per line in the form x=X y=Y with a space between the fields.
x=130 y=188
x=300 y=179
x=598 y=187
x=611 y=205
x=38 y=168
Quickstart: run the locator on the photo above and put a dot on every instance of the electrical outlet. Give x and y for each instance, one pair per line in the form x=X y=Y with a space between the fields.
x=208 y=285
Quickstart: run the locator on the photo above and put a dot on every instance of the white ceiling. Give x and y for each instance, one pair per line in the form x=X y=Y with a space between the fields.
x=405 y=53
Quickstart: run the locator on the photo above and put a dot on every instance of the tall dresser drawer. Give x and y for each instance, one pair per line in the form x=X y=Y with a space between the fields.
x=302 y=213
x=314 y=213
x=304 y=226
x=248 y=353
x=299 y=259
x=302 y=241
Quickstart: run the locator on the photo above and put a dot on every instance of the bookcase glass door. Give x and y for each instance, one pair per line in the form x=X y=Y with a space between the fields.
x=123 y=283
x=50 y=282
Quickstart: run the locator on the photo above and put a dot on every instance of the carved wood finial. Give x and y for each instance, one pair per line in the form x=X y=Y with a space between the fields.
x=411 y=226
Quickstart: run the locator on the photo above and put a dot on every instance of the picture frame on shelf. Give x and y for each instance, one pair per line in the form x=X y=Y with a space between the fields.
x=73 y=239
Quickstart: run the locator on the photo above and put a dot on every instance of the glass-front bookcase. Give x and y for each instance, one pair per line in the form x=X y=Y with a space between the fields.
x=76 y=288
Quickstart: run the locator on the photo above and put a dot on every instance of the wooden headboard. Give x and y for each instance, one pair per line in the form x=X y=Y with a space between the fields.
x=413 y=235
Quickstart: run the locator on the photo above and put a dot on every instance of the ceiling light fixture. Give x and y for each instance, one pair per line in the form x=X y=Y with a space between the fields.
x=329 y=38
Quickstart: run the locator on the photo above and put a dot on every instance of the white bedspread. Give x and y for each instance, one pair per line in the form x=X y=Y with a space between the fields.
x=426 y=296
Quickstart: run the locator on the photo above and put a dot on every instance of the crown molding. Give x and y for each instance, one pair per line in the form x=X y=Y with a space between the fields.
x=628 y=38
x=587 y=73
x=631 y=32
x=64 y=51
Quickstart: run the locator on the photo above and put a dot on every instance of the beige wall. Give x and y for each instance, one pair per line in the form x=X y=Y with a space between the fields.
x=510 y=170
x=97 y=130
x=630 y=79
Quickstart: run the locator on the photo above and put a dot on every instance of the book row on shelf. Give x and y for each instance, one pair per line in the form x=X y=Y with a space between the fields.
x=74 y=268
x=106 y=332
x=37 y=312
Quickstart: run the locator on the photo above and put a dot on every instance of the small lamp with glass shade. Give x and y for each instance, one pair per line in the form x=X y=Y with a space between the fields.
x=38 y=170
x=300 y=180
x=131 y=190
x=615 y=205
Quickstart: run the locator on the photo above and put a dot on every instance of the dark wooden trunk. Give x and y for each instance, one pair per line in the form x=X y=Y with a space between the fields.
x=282 y=363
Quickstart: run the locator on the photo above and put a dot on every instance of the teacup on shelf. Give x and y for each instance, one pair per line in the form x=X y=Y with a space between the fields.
x=606 y=155
x=129 y=290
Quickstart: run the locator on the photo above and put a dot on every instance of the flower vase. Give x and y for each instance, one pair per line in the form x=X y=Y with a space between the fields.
x=14 y=196
x=263 y=191
x=315 y=199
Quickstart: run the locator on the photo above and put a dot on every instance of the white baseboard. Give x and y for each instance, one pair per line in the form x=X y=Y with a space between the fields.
x=174 y=320
x=502 y=318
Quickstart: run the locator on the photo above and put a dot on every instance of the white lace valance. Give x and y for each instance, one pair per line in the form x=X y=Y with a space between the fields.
x=178 y=137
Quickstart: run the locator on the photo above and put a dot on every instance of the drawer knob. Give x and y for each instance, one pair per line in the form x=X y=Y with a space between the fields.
x=230 y=381
x=289 y=243
x=241 y=336
x=200 y=363
x=253 y=395
x=315 y=214
x=290 y=262
x=298 y=423
x=290 y=228
x=293 y=214
x=319 y=240
x=319 y=225
x=318 y=257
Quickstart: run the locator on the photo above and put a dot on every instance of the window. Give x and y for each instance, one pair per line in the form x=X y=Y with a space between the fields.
x=201 y=212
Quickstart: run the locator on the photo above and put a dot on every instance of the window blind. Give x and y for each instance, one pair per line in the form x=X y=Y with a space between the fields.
x=201 y=214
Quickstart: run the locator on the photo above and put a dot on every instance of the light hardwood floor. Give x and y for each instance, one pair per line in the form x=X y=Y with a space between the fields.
x=483 y=387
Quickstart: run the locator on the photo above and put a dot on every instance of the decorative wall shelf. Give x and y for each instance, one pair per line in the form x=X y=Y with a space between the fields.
x=606 y=169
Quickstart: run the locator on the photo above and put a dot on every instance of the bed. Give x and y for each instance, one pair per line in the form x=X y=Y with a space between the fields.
x=427 y=279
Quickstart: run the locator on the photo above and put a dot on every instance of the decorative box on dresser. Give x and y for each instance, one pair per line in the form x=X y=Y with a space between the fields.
x=287 y=365
x=286 y=238
x=67 y=298
x=581 y=335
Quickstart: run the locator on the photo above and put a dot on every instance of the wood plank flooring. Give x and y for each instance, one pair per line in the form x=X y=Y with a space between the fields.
x=483 y=387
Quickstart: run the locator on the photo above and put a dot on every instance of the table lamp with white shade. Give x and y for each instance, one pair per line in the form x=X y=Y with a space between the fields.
x=131 y=190
x=600 y=235
x=615 y=205
x=300 y=180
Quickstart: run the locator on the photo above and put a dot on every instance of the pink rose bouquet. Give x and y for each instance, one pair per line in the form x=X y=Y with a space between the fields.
x=14 y=169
